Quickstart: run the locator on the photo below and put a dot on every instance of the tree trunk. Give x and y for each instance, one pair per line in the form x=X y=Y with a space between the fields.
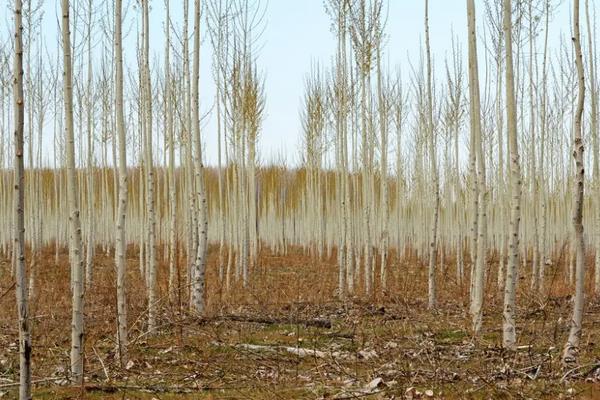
x=475 y=108
x=509 y=336
x=202 y=251
x=571 y=349
x=19 y=213
x=432 y=298
x=120 y=243
x=77 y=328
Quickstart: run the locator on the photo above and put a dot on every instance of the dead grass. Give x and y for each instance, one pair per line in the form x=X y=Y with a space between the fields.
x=389 y=336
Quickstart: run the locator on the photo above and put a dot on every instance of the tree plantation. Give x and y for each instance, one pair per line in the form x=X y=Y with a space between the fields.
x=433 y=233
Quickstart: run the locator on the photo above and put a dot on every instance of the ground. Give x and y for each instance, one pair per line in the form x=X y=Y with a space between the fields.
x=288 y=336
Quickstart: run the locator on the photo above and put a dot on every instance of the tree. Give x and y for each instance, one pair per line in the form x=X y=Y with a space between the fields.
x=198 y=282
x=481 y=193
x=366 y=28
x=509 y=335
x=146 y=100
x=571 y=348
x=77 y=328
x=19 y=203
x=595 y=142
x=120 y=242
x=433 y=245
x=89 y=100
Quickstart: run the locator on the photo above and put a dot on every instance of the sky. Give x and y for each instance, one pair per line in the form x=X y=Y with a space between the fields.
x=297 y=34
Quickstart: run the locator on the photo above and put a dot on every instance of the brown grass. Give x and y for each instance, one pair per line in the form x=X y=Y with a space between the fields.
x=391 y=336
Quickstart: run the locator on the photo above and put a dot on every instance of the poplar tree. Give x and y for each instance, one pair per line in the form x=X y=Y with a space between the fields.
x=76 y=258
x=571 y=348
x=509 y=334
x=198 y=283
x=481 y=211
x=19 y=211
x=120 y=242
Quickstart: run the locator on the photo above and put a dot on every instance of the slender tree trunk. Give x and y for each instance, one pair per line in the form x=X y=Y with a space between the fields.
x=432 y=298
x=150 y=241
x=595 y=145
x=571 y=349
x=202 y=251
x=77 y=328
x=169 y=99
x=19 y=212
x=475 y=108
x=89 y=263
x=509 y=336
x=121 y=243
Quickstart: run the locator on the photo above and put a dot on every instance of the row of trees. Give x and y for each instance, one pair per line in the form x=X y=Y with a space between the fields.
x=384 y=170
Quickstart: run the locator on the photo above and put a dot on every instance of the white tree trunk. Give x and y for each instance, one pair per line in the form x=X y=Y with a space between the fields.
x=509 y=335
x=202 y=251
x=77 y=328
x=475 y=109
x=571 y=349
x=121 y=243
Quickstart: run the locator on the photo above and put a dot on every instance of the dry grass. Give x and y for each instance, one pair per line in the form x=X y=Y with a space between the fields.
x=390 y=336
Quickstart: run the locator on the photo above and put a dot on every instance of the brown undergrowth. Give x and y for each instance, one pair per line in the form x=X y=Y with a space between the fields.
x=258 y=342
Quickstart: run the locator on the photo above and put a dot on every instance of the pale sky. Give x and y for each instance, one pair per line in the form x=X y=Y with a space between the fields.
x=297 y=34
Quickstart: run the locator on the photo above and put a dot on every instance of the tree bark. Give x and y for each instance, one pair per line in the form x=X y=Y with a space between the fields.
x=198 y=282
x=77 y=328
x=19 y=213
x=120 y=243
x=571 y=348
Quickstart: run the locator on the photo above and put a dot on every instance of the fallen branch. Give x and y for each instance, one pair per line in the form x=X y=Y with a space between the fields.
x=8 y=290
x=317 y=322
x=594 y=366
x=44 y=380
x=299 y=351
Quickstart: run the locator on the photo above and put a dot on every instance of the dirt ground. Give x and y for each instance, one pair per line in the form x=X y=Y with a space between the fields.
x=287 y=336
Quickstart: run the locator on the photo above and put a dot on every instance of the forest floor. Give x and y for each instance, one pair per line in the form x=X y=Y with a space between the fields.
x=286 y=336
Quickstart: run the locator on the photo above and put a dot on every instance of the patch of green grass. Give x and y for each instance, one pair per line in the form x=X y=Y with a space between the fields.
x=453 y=336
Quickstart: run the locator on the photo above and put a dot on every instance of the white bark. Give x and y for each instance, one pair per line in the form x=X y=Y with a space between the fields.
x=571 y=348
x=509 y=335
x=198 y=282
x=475 y=108
x=77 y=328
x=120 y=242
x=433 y=245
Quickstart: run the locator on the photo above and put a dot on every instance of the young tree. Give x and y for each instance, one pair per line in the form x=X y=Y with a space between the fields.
x=120 y=242
x=146 y=96
x=89 y=102
x=169 y=96
x=571 y=349
x=433 y=245
x=198 y=282
x=509 y=335
x=19 y=203
x=77 y=328
x=595 y=141
x=481 y=212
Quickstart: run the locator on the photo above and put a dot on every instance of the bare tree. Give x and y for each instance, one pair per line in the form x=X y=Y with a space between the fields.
x=509 y=335
x=77 y=328
x=571 y=349
x=19 y=203
x=481 y=211
x=433 y=245
x=198 y=282
x=120 y=242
